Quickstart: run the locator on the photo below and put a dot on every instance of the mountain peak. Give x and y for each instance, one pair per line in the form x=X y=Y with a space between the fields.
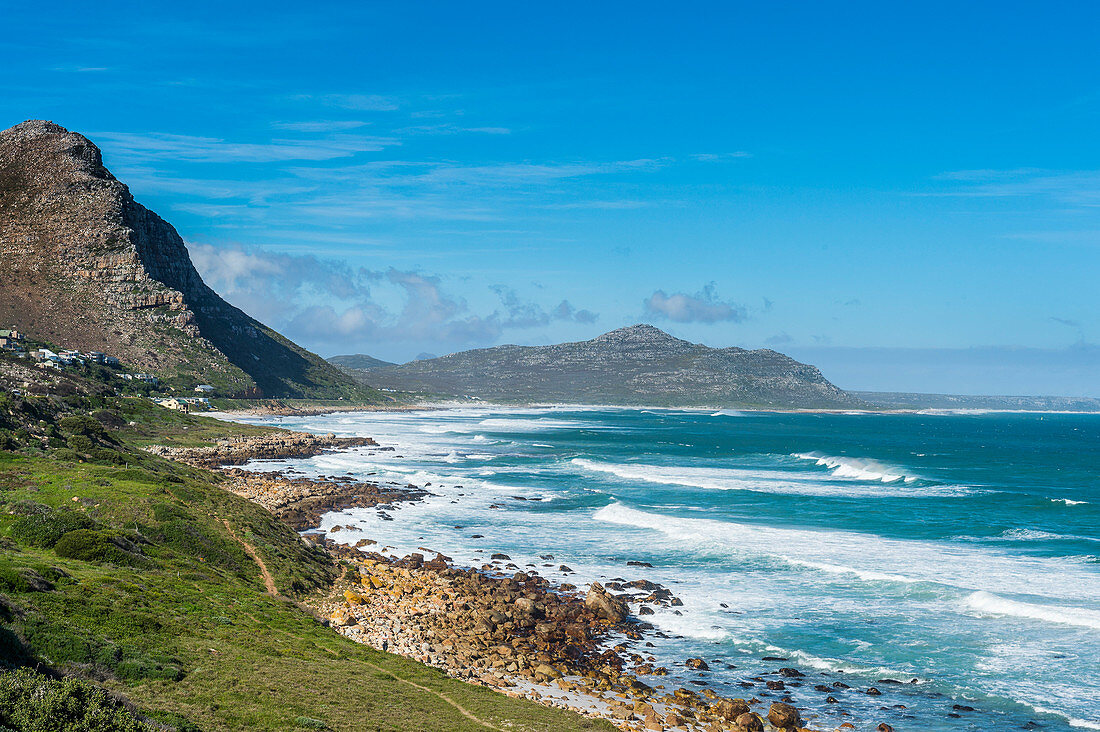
x=87 y=267
x=639 y=364
x=640 y=332
x=43 y=154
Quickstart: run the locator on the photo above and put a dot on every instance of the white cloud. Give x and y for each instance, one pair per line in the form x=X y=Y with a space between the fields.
x=702 y=307
x=162 y=146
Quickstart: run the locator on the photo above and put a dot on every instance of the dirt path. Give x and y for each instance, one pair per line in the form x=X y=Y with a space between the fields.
x=269 y=581
x=466 y=713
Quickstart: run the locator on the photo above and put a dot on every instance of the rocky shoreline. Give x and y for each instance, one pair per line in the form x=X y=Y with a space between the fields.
x=520 y=634
x=297 y=501
x=496 y=625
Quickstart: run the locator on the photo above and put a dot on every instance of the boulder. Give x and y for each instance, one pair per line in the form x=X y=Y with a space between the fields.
x=603 y=604
x=749 y=722
x=784 y=716
x=729 y=709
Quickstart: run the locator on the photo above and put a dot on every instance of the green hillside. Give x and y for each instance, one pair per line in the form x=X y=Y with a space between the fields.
x=130 y=573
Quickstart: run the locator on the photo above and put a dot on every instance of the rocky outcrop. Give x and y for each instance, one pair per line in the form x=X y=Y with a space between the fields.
x=88 y=267
x=279 y=445
x=637 y=365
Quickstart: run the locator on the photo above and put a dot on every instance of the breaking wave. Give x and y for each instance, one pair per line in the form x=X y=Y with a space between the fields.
x=857 y=468
x=988 y=603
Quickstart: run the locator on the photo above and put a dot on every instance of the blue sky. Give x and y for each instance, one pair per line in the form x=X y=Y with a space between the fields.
x=864 y=187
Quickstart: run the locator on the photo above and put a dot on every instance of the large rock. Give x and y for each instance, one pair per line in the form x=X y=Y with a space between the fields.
x=603 y=604
x=749 y=722
x=729 y=709
x=784 y=716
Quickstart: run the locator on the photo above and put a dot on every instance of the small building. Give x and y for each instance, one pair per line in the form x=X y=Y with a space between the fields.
x=111 y=361
x=96 y=357
x=148 y=379
x=71 y=358
x=204 y=389
x=176 y=404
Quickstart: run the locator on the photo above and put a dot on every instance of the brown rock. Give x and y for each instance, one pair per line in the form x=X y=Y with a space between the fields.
x=784 y=715
x=749 y=722
x=602 y=603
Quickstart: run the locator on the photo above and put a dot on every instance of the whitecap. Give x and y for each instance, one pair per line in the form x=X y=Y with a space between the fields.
x=867 y=557
x=761 y=480
x=990 y=604
x=857 y=468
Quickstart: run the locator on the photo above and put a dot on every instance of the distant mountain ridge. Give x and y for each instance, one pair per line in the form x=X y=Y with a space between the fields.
x=359 y=362
x=909 y=400
x=637 y=365
x=85 y=266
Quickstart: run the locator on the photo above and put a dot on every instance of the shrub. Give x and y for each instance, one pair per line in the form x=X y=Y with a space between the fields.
x=33 y=702
x=22 y=579
x=135 y=669
x=44 y=529
x=90 y=545
x=80 y=443
x=109 y=418
x=65 y=454
x=79 y=424
x=112 y=457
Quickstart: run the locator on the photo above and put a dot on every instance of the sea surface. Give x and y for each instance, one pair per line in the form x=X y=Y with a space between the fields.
x=956 y=553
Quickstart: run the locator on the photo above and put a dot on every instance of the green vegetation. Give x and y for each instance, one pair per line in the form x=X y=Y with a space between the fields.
x=121 y=571
x=34 y=701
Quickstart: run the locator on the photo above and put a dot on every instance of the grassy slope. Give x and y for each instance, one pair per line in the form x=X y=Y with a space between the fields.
x=186 y=631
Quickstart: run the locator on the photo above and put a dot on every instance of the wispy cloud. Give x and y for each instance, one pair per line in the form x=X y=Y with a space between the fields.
x=702 y=307
x=452 y=129
x=357 y=102
x=320 y=125
x=1066 y=187
x=162 y=146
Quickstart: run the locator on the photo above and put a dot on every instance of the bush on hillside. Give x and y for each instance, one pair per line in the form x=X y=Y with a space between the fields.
x=33 y=702
x=78 y=424
x=90 y=545
x=45 y=528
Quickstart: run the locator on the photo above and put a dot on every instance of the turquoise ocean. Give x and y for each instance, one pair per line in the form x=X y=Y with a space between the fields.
x=955 y=553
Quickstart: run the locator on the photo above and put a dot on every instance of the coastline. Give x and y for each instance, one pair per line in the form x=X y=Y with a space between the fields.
x=498 y=625
x=309 y=411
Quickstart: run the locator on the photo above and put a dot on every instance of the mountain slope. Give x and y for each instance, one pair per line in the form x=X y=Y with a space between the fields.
x=359 y=362
x=639 y=365
x=87 y=267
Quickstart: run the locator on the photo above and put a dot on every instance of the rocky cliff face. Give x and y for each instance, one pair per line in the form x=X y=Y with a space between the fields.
x=639 y=365
x=85 y=266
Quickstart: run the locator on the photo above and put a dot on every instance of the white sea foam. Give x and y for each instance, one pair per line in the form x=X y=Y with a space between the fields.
x=988 y=603
x=1039 y=535
x=1071 y=721
x=1068 y=501
x=761 y=480
x=728 y=413
x=867 y=557
x=857 y=468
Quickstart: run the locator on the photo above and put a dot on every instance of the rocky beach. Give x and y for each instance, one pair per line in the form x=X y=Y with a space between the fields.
x=498 y=625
